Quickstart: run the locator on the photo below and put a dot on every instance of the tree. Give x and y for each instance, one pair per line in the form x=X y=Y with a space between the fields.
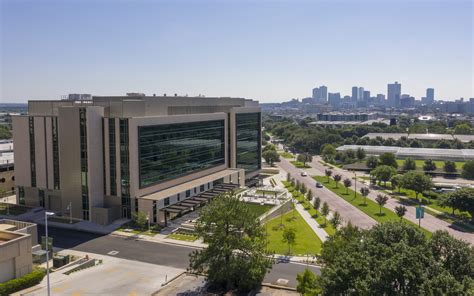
x=360 y=153
x=317 y=203
x=269 y=147
x=336 y=219
x=337 y=179
x=228 y=225
x=409 y=165
x=395 y=259
x=298 y=185
x=271 y=156
x=365 y=191
x=325 y=209
x=303 y=188
x=429 y=165
x=308 y=284
x=347 y=183
x=304 y=158
x=468 y=170
x=389 y=159
x=289 y=237
x=397 y=182
x=328 y=153
x=139 y=219
x=328 y=173
x=288 y=177
x=417 y=182
x=450 y=166
x=372 y=162
x=383 y=173
x=464 y=200
x=400 y=211
x=381 y=200
x=463 y=129
x=309 y=195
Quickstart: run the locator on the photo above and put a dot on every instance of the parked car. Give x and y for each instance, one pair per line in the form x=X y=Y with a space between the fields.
x=319 y=185
x=304 y=174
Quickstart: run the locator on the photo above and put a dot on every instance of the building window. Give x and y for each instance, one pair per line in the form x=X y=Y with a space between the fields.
x=41 y=198
x=188 y=193
x=202 y=188
x=167 y=201
x=55 y=136
x=248 y=141
x=112 y=157
x=21 y=195
x=178 y=197
x=195 y=190
x=154 y=212
x=31 y=128
x=124 y=169
x=173 y=150
x=84 y=164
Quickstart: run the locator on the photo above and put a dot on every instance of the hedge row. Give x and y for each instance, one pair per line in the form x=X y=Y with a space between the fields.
x=31 y=279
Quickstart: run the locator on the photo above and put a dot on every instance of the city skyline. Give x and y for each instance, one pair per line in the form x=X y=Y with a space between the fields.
x=270 y=51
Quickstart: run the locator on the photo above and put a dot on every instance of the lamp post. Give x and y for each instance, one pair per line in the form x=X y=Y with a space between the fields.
x=148 y=219
x=69 y=207
x=46 y=214
x=355 y=184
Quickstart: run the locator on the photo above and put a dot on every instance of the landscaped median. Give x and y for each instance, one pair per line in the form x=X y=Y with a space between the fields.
x=370 y=208
x=322 y=221
x=299 y=164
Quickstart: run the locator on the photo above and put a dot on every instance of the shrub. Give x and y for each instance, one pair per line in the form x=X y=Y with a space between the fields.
x=31 y=279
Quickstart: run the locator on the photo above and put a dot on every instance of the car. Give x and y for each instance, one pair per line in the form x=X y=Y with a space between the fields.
x=319 y=185
x=304 y=174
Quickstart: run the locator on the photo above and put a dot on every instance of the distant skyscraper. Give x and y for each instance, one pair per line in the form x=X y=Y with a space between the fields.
x=355 y=94
x=430 y=95
x=366 y=95
x=334 y=99
x=323 y=94
x=394 y=92
x=360 y=96
x=316 y=93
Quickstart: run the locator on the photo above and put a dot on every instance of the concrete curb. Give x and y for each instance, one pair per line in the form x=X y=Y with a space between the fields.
x=278 y=287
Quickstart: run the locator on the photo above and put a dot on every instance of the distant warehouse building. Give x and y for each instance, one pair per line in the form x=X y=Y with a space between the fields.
x=415 y=153
x=110 y=157
x=422 y=137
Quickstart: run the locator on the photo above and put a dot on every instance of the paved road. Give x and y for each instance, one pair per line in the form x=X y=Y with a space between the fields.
x=347 y=211
x=429 y=222
x=151 y=252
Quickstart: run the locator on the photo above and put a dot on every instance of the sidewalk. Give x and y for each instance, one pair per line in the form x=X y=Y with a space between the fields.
x=321 y=233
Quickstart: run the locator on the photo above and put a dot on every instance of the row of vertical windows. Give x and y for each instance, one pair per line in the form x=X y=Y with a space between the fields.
x=21 y=195
x=172 y=150
x=112 y=157
x=55 y=136
x=248 y=138
x=84 y=165
x=31 y=129
x=124 y=169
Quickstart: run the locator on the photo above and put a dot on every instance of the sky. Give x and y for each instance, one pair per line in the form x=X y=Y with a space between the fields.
x=270 y=51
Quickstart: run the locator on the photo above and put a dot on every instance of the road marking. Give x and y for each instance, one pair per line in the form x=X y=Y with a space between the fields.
x=282 y=282
x=113 y=253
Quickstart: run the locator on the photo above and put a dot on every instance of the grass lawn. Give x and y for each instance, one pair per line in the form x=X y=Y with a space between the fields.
x=372 y=209
x=306 y=241
x=439 y=163
x=300 y=165
x=183 y=236
x=287 y=155
x=323 y=222
x=259 y=209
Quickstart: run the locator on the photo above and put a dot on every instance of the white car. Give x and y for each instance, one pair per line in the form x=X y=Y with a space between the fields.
x=304 y=174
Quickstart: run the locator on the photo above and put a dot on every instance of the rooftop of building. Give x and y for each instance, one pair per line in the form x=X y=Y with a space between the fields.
x=428 y=136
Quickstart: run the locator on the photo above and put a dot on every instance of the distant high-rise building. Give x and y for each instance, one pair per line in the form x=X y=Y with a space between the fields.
x=323 y=94
x=361 y=94
x=430 y=95
x=394 y=92
x=334 y=99
x=316 y=93
x=355 y=94
x=366 y=95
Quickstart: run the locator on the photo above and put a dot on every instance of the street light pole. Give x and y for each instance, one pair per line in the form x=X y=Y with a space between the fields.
x=148 y=218
x=355 y=184
x=46 y=214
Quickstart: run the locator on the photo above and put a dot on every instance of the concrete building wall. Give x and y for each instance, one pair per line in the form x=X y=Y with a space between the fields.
x=70 y=159
x=22 y=151
x=94 y=116
x=40 y=152
x=49 y=152
x=15 y=255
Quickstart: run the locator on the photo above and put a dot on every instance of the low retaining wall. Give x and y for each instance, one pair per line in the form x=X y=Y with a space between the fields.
x=277 y=211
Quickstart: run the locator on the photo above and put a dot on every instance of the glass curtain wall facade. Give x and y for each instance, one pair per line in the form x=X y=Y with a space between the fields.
x=173 y=150
x=84 y=165
x=112 y=158
x=248 y=141
x=125 y=169
x=54 y=127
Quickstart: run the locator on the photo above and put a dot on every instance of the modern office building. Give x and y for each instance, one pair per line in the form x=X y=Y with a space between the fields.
x=394 y=92
x=7 y=173
x=109 y=157
x=430 y=96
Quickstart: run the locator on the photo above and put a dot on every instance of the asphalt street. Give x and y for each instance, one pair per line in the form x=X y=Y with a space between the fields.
x=151 y=252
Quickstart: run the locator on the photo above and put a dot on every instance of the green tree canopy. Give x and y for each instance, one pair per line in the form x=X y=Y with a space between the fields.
x=417 y=182
x=360 y=153
x=429 y=165
x=308 y=284
x=468 y=170
x=383 y=173
x=409 y=165
x=450 y=166
x=389 y=159
x=463 y=199
x=394 y=259
x=372 y=162
x=235 y=256
x=271 y=156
